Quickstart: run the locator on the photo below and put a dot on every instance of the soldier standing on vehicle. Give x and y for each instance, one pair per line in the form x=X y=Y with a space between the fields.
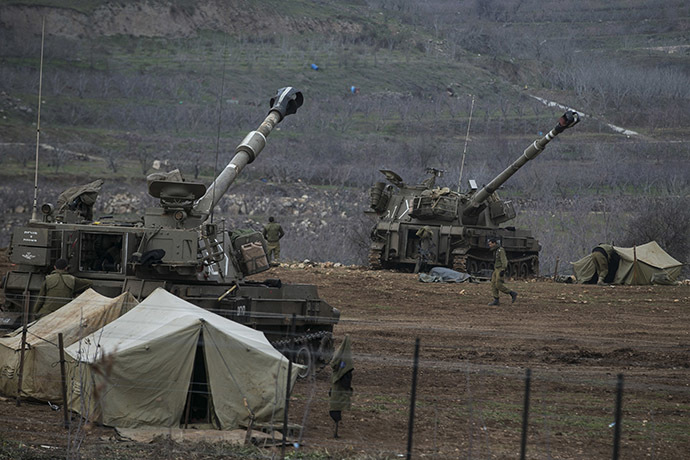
x=58 y=288
x=601 y=256
x=273 y=232
x=500 y=266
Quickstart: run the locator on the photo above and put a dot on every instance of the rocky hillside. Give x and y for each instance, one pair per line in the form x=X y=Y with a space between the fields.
x=167 y=19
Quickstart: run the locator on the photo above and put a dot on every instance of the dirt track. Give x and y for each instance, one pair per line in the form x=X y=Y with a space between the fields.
x=473 y=358
x=574 y=338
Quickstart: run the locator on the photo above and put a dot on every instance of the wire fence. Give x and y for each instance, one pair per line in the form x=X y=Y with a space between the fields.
x=419 y=392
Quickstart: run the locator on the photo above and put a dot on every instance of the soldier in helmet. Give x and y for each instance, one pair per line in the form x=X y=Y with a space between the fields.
x=273 y=232
x=58 y=288
x=500 y=266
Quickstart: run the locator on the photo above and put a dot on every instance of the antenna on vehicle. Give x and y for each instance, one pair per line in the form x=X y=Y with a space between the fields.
x=464 y=151
x=220 y=117
x=38 y=122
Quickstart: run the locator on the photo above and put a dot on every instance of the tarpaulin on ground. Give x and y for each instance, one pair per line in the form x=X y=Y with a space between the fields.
x=443 y=275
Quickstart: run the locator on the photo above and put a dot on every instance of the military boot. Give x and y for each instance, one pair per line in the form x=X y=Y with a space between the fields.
x=494 y=302
x=513 y=296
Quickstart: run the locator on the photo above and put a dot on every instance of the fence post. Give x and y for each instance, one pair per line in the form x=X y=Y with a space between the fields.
x=61 y=345
x=525 y=414
x=413 y=398
x=287 y=386
x=617 y=421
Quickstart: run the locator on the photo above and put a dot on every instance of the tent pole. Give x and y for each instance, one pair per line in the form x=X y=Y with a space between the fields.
x=61 y=345
x=189 y=402
x=27 y=301
x=635 y=265
x=250 y=426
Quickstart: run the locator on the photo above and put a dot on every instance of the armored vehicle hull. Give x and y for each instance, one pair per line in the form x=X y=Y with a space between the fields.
x=174 y=246
x=266 y=305
x=462 y=248
x=424 y=225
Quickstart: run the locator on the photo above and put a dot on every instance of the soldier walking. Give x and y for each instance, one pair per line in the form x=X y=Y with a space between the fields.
x=500 y=266
x=58 y=289
x=273 y=232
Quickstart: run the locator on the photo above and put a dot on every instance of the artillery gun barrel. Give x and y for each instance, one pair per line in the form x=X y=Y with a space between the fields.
x=568 y=120
x=285 y=102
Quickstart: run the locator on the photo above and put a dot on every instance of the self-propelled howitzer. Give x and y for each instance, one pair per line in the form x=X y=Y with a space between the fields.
x=460 y=223
x=177 y=247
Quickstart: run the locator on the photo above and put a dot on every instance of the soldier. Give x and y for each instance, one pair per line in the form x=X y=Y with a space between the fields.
x=58 y=288
x=424 y=248
x=112 y=258
x=602 y=255
x=273 y=232
x=500 y=265
x=341 y=382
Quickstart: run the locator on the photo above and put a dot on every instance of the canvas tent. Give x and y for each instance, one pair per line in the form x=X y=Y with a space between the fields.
x=137 y=370
x=41 y=375
x=644 y=264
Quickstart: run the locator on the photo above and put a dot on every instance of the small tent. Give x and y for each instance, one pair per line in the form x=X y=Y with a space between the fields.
x=168 y=361
x=41 y=377
x=644 y=264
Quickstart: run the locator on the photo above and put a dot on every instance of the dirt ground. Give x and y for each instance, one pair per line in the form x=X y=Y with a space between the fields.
x=471 y=382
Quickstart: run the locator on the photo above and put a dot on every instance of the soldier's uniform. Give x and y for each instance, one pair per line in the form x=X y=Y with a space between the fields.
x=58 y=289
x=424 y=249
x=601 y=256
x=273 y=232
x=500 y=266
x=341 y=390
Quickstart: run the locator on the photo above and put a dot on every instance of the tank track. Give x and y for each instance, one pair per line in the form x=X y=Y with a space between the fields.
x=302 y=339
x=314 y=350
x=459 y=263
x=522 y=267
x=375 y=259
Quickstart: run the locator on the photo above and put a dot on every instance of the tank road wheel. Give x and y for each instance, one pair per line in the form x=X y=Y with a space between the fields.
x=474 y=267
x=326 y=349
x=460 y=263
x=305 y=357
x=375 y=259
x=535 y=266
x=524 y=270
